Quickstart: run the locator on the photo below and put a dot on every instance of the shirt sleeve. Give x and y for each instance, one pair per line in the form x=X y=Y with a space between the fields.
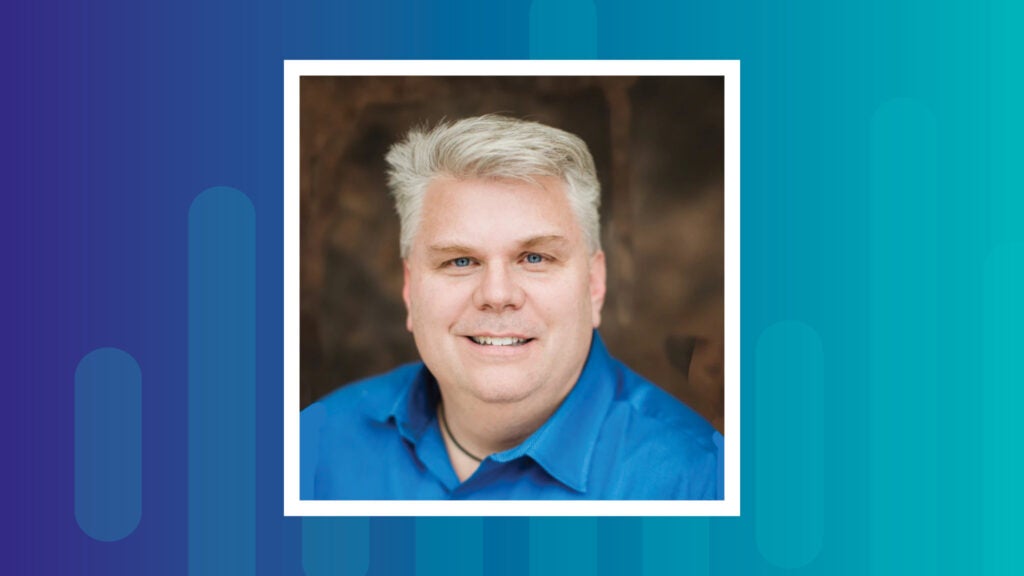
x=310 y=422
x=719 y=441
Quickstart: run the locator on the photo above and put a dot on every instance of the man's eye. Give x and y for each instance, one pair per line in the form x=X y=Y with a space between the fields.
x=461 y=262
x=534 y=258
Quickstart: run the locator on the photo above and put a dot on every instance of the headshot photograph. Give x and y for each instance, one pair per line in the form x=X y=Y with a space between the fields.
x=512 y=288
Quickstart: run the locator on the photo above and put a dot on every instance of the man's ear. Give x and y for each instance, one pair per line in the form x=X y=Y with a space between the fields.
x=598 y=279
x=405 y=295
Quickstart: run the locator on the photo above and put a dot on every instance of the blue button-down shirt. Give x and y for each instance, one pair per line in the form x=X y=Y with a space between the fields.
x=616 y=436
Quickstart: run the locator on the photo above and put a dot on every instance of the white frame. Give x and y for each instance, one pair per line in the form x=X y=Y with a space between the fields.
x=294 y=70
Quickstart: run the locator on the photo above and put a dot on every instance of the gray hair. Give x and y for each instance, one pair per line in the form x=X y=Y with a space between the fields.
x=492 y=147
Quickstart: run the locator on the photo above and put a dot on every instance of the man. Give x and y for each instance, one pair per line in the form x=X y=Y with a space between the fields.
x=516 y=396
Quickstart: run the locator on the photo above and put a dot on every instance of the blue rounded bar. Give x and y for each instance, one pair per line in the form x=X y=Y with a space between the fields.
x=108 y=444
x=221 y=383
x=789 y=508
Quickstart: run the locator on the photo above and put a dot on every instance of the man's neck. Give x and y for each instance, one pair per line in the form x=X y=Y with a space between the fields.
x=477 y=429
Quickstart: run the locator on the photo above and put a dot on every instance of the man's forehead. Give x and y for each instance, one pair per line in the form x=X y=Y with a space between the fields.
x=475 y=213
x=544 y=181
x=448 y=188
x=451 y=203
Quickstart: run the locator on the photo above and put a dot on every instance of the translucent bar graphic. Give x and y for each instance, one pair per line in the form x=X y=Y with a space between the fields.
x=392 y=541
x=335 y=546
x=507 y=546
x=676 y=546
x=619 y=544
x=789 y=513
x=221 y=384
x=903 y=327
x=108 y=444
x=1003 y=428
x=560 y=546
x=450 y=547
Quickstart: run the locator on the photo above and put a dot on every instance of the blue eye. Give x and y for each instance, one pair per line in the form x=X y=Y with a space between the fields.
x=461 y=262
x=534 y=258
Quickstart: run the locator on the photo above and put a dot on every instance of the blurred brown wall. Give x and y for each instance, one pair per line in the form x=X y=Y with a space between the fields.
x=658 y=145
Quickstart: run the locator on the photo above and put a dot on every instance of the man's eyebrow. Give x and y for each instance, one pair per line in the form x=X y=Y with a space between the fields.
x=555 y=240
x=449 y=249
x=549 y=239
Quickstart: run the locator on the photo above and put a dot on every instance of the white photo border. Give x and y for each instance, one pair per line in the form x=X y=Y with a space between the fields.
x=294 y=70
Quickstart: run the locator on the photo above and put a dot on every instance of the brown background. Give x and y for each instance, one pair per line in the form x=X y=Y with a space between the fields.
x=658 y=145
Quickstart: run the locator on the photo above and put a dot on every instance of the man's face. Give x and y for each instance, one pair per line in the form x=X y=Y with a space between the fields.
x=501 y=290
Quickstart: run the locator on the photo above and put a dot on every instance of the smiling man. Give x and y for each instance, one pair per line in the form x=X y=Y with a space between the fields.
x=516 y=395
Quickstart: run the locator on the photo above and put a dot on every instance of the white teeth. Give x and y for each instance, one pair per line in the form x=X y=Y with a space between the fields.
x=488 y=341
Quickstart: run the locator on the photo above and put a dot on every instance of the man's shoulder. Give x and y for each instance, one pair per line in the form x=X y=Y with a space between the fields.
x=352 y=411
x=373 y=396
x=652 y=408
x=670 y=450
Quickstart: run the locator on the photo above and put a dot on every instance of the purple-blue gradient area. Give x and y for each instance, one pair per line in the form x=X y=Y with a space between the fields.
x=116 y=115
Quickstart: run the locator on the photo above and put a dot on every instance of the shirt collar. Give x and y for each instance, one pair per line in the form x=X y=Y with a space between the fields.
x=563 y=445
x=414 y=406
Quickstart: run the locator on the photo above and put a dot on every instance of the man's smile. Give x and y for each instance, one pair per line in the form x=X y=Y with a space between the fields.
x=499 y=340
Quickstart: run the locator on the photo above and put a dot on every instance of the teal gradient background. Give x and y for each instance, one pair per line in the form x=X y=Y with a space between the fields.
x=882 y=273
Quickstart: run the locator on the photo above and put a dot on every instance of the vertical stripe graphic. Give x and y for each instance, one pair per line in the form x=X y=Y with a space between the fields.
x=902 y=339
x=507 y=546
x=789 y=509
x=1003 y=428
x=108 y=444
x=560 y=546
x=392 y=543
x=449 y=547
x=221 y=384
x=674 y=546
x=619 y=546
x=1001 y=392
x=335 y=546
x=563 y=29
x=1003 y=115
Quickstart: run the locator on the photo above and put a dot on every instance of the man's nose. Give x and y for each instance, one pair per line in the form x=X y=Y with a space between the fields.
x=498 y=289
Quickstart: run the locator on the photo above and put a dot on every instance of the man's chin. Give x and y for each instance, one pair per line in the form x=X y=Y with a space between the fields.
x=494 y=389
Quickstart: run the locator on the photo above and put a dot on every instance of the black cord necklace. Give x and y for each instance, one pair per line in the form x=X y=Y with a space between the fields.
x=444 y=421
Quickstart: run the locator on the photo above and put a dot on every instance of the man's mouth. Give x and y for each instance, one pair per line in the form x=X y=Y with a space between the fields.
x=500 y=340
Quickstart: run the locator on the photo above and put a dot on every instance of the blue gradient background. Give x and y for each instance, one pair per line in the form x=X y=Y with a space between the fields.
x=883 y=267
